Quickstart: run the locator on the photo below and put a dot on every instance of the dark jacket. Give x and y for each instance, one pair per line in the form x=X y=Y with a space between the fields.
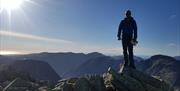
x=128 y=28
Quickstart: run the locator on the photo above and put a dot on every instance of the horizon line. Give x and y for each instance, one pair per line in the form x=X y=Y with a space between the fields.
x=20 y=53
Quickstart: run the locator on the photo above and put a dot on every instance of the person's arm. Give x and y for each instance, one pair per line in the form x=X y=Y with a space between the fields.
x=120 y=30
x=135 y=30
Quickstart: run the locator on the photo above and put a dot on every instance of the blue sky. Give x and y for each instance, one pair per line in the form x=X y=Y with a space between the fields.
x=90 y=25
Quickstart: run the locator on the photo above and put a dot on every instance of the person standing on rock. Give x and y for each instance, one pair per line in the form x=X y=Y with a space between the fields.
x=127 y=32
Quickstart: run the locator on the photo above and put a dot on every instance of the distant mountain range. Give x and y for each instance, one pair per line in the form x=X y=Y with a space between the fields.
x=177 y=58
x=61 y=62
x=65 y=63
x=98 y=65
x=78 y=64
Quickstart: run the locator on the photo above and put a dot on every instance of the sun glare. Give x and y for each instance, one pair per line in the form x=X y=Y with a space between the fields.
x=9 y=5
x=9 y=52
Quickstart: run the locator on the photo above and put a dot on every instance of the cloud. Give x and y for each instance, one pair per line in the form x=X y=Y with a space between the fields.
x=171 y=45
x=2 y=52
x=172 y=16
x=32 y=37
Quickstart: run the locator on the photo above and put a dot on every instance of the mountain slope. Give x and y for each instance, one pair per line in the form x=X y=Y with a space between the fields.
x=94 y=66
x=37 y=70
x=5 y=59
x=165 y=67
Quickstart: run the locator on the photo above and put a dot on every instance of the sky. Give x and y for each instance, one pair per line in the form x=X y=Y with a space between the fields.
x=90 y=26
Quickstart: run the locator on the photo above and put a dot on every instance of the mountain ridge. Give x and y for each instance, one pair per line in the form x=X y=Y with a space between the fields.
x=37 y=70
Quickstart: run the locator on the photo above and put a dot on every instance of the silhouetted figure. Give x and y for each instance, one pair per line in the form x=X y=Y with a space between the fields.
x=128 y=33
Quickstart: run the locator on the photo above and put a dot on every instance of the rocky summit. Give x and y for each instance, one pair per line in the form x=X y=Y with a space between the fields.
x=126 y=80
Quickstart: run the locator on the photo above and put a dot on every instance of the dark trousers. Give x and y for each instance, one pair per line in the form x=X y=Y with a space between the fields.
x=128 y=52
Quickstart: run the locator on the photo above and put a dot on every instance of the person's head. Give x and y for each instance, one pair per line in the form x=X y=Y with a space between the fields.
x=128 y=13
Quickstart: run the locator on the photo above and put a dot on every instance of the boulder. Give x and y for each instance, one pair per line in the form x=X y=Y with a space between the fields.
x=1 y=88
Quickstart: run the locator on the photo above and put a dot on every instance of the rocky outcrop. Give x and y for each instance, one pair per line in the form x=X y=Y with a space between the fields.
x=134 y=80
x=87 y=83
x=126 y=80
x=20 y=84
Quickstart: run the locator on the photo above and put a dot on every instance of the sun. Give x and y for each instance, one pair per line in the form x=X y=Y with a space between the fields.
x=10 y=5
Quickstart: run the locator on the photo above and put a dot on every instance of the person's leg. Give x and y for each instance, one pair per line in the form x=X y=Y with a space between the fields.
x=125 y=45
x=131 y=56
